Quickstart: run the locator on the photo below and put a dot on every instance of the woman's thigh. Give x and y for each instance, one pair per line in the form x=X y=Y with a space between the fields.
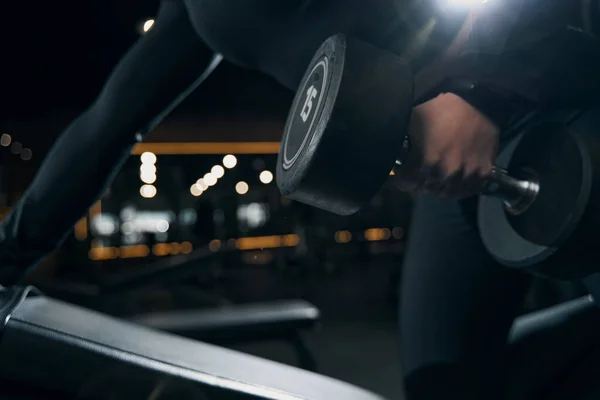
x=457 y=305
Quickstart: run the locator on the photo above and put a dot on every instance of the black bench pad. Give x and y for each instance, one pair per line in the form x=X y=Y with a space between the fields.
x=61 y=346
x=545 y=345
x=236 y=323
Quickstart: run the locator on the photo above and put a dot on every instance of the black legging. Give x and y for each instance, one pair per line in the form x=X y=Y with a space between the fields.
x=457 y=306
x=91 y=150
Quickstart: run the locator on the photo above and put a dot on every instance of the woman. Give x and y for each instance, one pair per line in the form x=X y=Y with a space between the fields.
x=457 y=303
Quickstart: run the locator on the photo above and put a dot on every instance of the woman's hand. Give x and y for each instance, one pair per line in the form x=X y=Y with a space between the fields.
x=453 y=148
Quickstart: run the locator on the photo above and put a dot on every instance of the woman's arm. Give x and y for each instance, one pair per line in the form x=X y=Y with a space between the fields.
x=546 y=51
x=508 y=58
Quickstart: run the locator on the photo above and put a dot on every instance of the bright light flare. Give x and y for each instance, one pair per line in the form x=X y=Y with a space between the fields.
x=463 y=4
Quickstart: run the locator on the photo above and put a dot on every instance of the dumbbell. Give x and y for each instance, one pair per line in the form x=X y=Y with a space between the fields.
x=346 y=131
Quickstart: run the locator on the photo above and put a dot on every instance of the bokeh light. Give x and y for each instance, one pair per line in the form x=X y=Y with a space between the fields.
x=195 y=190
x=26 y=154
x=210 y=179
x=5 y=140
x=148 y=191
x=201 y=184
x=148 y=25
x=148 y=178
x=218 y=171
x=229 y=161
x=147 y=169
x=148 y=157
x=241 y=187
x=16 y=148
x=266 y=177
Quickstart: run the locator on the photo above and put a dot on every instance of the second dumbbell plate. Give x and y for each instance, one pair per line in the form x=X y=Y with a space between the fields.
x=562 y=167
x=553 y=238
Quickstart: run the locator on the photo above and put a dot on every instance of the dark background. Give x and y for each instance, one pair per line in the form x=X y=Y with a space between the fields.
x=56 y=59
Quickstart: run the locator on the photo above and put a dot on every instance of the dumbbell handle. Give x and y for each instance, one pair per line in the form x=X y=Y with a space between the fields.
x=517 y=194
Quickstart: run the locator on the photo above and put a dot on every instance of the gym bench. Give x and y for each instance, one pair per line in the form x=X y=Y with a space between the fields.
x=60 y=347
x=282 y=320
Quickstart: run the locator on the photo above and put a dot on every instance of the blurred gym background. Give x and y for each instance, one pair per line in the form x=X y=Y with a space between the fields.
x=194 y=220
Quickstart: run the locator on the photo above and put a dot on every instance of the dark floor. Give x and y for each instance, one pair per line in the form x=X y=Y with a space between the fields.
x=365 y=355
x=358 y=339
